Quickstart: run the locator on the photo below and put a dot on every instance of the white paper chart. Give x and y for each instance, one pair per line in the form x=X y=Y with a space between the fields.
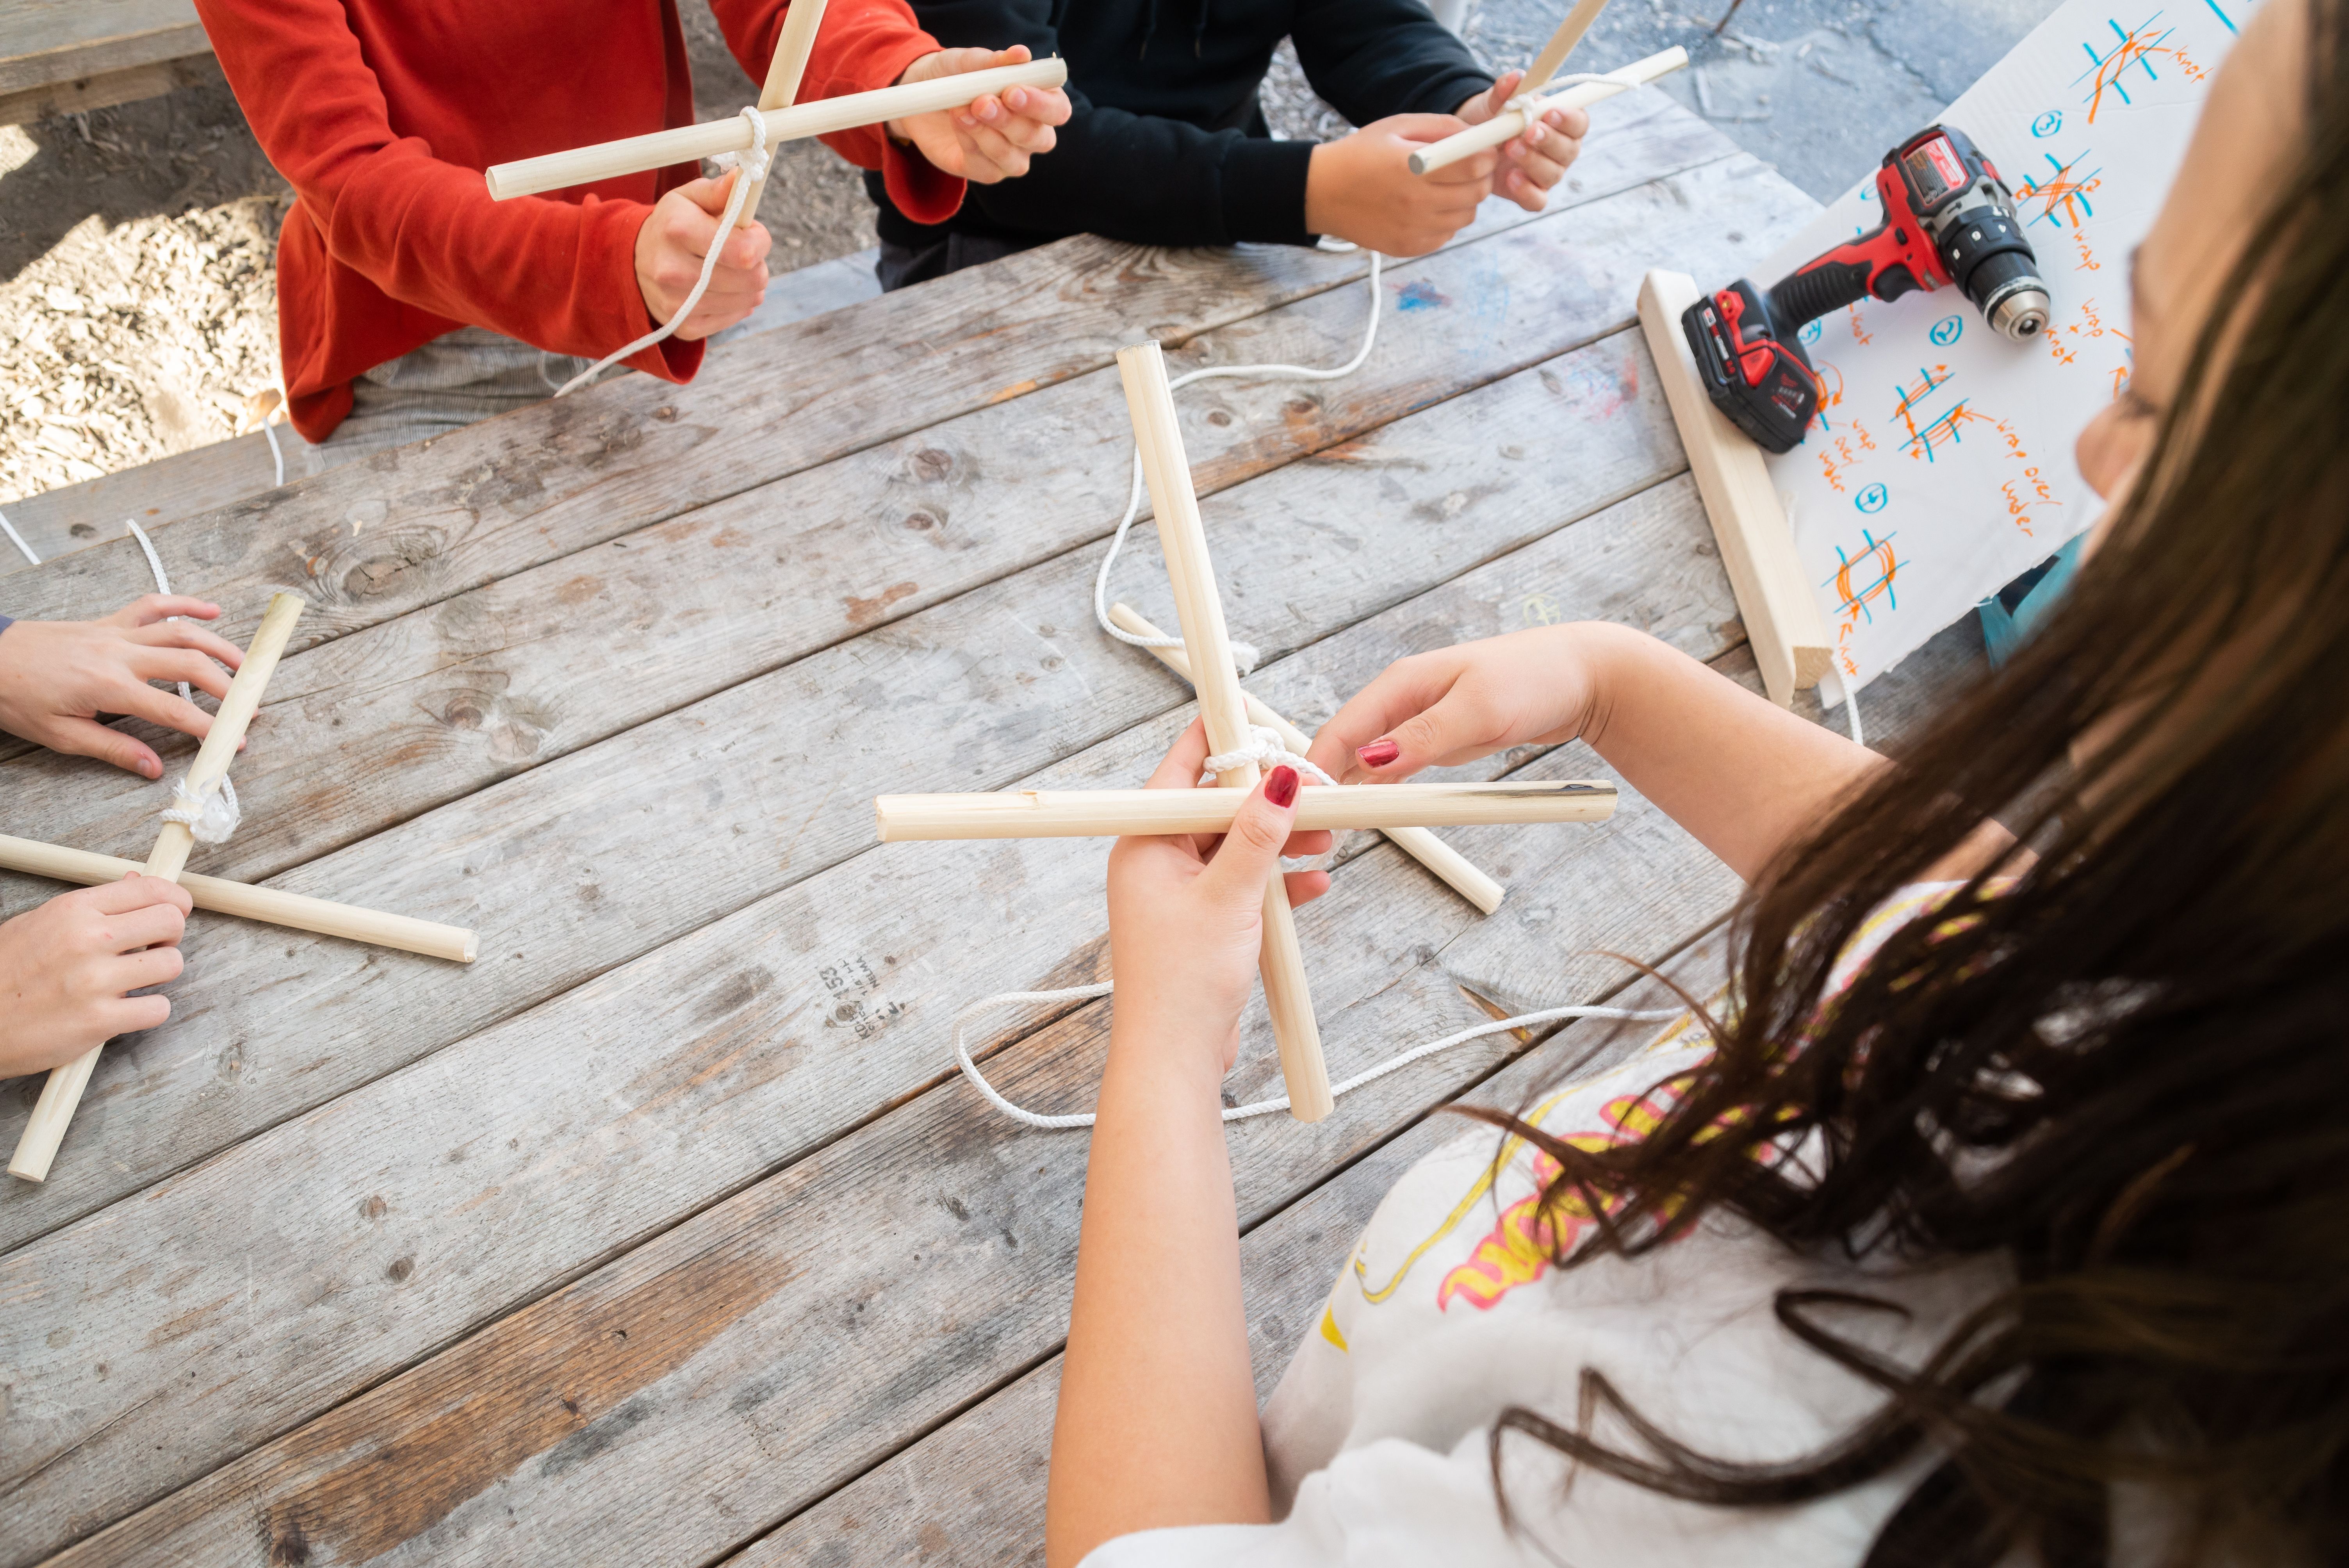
x=1941 y=465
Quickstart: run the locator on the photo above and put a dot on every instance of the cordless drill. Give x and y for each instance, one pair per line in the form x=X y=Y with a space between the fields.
x=1948 y=219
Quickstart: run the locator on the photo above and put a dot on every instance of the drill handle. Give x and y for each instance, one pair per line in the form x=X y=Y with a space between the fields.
x=1827 y=284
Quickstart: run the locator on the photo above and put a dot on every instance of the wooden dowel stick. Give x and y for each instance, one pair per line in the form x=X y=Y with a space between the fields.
x=793 y=46
x=1513 y=122
x=1783 y=623
x=271 y=905
x=1183 y=542
x=691 y=143
x=46 y=1128
x=1448 y=863
x=1561 y=44
x=1119 y=813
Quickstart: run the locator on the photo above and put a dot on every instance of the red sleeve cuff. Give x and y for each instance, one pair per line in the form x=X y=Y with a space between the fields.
x=920 y=189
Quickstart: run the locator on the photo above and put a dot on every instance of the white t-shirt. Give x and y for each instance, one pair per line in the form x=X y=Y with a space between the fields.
x=1449 y=1312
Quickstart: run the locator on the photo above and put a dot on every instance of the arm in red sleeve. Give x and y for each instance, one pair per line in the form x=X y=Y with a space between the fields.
x=421 y=228
x=862 y=44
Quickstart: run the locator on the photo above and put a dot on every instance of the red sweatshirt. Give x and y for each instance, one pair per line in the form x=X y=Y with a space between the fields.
x=383 y=113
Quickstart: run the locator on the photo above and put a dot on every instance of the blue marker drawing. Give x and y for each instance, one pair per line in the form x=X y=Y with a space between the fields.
x=1871 y=500
x=2048 y=124
x=2133 y=46
x=2064 y=195
x=2221 y=15
x=1876 y=554
x=1810 y=333
x=1948 y=330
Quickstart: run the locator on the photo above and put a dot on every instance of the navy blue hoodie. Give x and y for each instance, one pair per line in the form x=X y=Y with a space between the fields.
x=1168 y=145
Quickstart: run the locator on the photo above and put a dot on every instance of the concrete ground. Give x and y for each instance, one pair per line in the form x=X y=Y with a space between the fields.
x=1822 y=89
x=137 y=243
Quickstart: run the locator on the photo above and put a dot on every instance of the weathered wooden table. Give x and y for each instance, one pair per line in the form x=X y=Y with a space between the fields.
x=666 y=1233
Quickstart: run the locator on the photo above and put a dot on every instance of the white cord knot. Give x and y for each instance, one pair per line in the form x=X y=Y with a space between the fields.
x=754 y=161
x=211 y=816
x=1266 y=749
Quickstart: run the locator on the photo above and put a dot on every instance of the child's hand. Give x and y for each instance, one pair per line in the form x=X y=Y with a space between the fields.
x=1360 y=187
x=1186 y=914
x=1456 y=705
x=675 y=237
x=1538 y=159
x=990 y=139
x=64 y=967
x=57 y=677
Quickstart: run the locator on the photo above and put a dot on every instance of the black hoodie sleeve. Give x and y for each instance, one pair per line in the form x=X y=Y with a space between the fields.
x=1371 y=59
x=1156 y=179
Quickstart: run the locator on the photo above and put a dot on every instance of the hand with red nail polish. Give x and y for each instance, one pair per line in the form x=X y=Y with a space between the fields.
x=1456 y=705
x=1187 y=914
x=1744 y=777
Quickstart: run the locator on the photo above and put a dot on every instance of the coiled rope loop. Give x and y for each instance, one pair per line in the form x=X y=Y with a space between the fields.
x=1043 y=1123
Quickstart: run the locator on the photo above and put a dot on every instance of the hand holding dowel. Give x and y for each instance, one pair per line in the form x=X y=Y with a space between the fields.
x=1450 y=865
x=46 y=1128
x=1501 y=127
x=1183 y=539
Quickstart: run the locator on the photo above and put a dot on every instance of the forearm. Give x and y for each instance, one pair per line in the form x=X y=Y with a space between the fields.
x=1744 y=775
x=1157 y=1422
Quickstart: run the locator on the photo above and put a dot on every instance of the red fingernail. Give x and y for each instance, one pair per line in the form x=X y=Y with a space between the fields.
x=1282 y=787
x=1379 y=753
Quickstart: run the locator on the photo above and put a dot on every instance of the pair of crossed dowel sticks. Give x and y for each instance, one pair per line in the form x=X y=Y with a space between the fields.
x=784 y=121
x=38 y=1146
x=1530 y=103
x=1041 y=813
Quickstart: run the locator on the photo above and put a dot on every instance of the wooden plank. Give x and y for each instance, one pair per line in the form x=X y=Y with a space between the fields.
x=385 y=724
x=175 y=1102
x=77 y=95
x=972 y=1489
x=819 y=1319
x=875 y=1304
x=43 y=42
x=526 y=865
x=1773 y=592
x=603 y=1115
x=223 y=472
x=60 y=521
x=411 y=528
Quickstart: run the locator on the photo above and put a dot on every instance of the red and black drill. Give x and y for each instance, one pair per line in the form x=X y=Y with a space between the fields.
x=1948 y=219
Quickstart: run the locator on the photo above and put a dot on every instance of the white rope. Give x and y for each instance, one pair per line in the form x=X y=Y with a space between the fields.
x=753 y=165
x=211 y=816
x=1266 y=749
x=269 y=428
x=1263 y=1107
x=18 y=539
x=163 y=585
x=1244 y=655
x=1843 y=692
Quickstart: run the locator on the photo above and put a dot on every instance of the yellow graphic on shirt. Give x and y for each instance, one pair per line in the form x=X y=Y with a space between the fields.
x=1531 y=1232
x=1684 y=1031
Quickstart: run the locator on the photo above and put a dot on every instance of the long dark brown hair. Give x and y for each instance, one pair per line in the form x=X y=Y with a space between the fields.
x=2128 y=1069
